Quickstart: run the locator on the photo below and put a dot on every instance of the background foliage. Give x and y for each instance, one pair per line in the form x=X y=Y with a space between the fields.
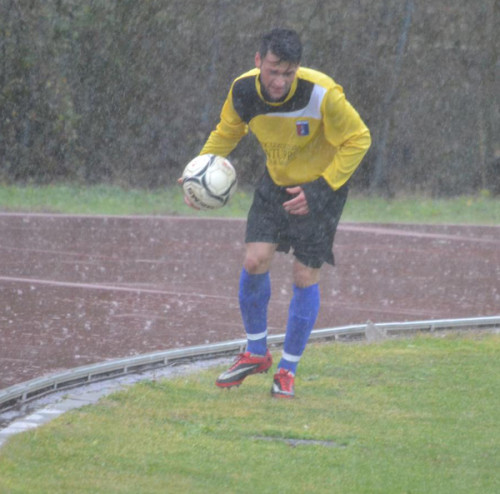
x=125 y=92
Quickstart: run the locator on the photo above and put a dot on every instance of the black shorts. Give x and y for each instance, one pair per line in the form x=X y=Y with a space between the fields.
x=311 y=236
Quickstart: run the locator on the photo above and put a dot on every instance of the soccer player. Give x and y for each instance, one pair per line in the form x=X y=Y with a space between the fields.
x=313 y=140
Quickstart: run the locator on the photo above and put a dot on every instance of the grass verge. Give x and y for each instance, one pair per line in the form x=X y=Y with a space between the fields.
x=112 y=200
x=413 y=415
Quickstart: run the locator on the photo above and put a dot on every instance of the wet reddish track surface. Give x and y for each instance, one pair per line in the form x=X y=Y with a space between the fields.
x=79 y=290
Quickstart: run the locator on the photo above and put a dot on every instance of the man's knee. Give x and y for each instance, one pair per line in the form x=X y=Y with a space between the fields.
x=258 y=257
x=304 y=276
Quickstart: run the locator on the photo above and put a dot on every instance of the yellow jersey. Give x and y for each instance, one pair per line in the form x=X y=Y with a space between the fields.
x=314 y=132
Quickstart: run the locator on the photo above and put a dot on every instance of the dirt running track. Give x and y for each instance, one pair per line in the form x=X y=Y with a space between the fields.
x=76 y=290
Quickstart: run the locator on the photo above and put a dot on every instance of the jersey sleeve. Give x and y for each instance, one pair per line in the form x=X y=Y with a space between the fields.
x=346 y=131
x=228 y=133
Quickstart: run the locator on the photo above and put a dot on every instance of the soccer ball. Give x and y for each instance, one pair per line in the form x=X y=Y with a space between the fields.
x=209 y=181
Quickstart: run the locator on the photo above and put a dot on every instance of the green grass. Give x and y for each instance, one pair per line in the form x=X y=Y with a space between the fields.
x=480 y=209
x=112 y=200
x=107 y=200
x=417 y=415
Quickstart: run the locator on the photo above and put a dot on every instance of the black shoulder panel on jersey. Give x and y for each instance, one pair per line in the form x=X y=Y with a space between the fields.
x=248 y=104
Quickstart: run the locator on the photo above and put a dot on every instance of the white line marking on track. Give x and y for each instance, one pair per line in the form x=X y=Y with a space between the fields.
x=112 y=288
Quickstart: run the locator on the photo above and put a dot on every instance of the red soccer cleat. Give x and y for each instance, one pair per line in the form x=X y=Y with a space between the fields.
x=245 y=365
x=283 y=384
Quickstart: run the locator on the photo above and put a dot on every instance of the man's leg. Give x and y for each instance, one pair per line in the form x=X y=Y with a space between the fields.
x=302 y=314
x=254 y=295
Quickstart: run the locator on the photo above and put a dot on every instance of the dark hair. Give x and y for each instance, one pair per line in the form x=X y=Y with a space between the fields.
x=284 y=43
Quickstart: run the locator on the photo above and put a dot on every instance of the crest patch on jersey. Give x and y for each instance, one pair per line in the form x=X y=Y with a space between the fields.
x=302 y=127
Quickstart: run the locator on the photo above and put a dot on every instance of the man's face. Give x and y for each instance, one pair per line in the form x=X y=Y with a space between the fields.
x=276 y=76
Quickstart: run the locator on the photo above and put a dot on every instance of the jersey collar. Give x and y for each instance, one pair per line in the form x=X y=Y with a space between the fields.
x=289 y=96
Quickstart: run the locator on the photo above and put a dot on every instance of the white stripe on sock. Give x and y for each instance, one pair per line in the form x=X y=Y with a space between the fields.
x=257 y=336
x=290 y=357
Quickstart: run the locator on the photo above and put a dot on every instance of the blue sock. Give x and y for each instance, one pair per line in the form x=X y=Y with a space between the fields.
x=254 y=295
x=304 y=308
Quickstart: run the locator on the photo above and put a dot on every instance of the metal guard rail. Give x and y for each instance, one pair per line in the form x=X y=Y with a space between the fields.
x=20 y=394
